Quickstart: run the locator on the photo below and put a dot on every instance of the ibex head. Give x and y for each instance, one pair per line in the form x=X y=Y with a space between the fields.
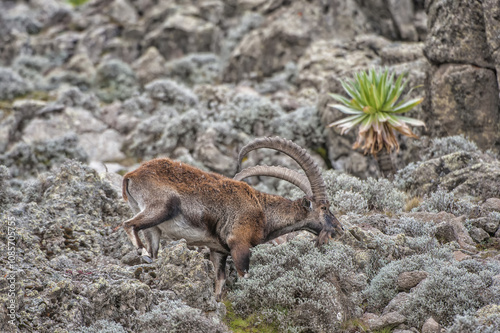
x=317 y=217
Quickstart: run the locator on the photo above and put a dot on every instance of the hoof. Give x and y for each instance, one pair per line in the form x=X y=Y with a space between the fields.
x=147 y=259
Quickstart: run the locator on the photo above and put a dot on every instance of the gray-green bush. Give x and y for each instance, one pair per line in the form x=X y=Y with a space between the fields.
x=380 y=195
x=12 y=85
x=300 y=287
x=173 y=316
x=444 y=201
x=452 y=288
x=443 y=146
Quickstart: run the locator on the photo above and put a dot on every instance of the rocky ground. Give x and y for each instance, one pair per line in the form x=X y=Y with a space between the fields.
x=89 y=91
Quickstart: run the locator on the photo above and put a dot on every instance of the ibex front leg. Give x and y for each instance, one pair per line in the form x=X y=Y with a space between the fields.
x=154 y=213
x=219 y=261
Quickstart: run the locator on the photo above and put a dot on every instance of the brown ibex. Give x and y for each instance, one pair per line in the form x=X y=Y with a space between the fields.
x=174 y=200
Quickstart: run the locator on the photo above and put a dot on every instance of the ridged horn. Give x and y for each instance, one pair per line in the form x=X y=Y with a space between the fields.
x=299 y=154
x=289 y=175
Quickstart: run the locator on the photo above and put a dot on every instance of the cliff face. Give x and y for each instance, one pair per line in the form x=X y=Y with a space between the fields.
x=89 y=91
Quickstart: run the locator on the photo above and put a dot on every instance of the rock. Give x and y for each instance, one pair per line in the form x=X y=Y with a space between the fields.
x=487 y=223
x=397 y=52
x=492 y=204
x=122 y=12
x=397 y=302
x=149 y=66
x=454 y=230
x=461 y=172
x=390 y=319
x=284 y=36
x=403 y=14
x=104 y=146
x=459 y=256
x=491 y=14
x=206 y=151
x=188 y=274
x=448 y=19
x=431 y=326
x=182 y=34
x=463 y=98
x=408 y=280
x=479 y=234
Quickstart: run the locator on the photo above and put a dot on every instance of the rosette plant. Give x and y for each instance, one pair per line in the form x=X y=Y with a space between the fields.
x=376 y=105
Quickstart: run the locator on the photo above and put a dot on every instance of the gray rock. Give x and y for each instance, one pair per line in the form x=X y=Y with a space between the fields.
x=396 y=303
x=122 y=12
x=431 y=326
x=103 y=146
x=181 y=34
x=408 y=280
x=463 y=99
x=479 y=234
x=491 y=204
x=461 y=172
x=285 y=35
x=206 y=151
x=390 y=319
x=454 y=230
x=403 y=15
x=491 y=14
x=149 y=66
x=188 y=274
x=448 y=19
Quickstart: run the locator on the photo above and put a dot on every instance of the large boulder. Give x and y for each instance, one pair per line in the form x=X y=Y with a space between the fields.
x=463 y=99
x=465 y=173
x=462 y=87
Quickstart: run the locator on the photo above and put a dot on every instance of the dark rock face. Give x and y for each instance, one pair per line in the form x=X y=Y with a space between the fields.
x=462 y=86
x=464 y=100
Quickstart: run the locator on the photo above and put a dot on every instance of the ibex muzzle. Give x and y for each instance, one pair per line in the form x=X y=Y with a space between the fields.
x=174 y=200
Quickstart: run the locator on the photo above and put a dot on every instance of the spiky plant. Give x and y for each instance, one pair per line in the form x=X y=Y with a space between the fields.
x=376 y=106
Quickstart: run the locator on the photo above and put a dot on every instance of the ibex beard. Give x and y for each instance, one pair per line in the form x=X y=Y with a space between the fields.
x=174 y=200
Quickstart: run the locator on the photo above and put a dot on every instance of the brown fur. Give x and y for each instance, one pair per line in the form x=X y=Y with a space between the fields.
x=175 y=200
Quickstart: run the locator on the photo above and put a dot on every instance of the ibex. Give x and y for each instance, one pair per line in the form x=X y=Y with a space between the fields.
x=174 y=200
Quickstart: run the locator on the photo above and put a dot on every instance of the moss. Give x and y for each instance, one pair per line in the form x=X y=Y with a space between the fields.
x=76 y=3
x=250 y=324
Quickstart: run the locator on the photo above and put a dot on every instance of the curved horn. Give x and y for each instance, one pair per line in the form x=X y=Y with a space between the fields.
x=299 y=154
x=289 y=175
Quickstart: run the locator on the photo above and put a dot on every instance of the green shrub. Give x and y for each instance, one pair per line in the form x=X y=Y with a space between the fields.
x=299 y=286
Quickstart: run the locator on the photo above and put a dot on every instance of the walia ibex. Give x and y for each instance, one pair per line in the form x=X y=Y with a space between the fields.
x=174 y=200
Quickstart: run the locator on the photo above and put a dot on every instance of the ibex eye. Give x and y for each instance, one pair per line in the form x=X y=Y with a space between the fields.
x=324 y=207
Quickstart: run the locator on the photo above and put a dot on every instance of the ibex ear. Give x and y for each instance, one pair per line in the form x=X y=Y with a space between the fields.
x=307 y=204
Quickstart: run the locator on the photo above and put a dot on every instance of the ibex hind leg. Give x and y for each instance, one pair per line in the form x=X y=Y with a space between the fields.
x=154 y=214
